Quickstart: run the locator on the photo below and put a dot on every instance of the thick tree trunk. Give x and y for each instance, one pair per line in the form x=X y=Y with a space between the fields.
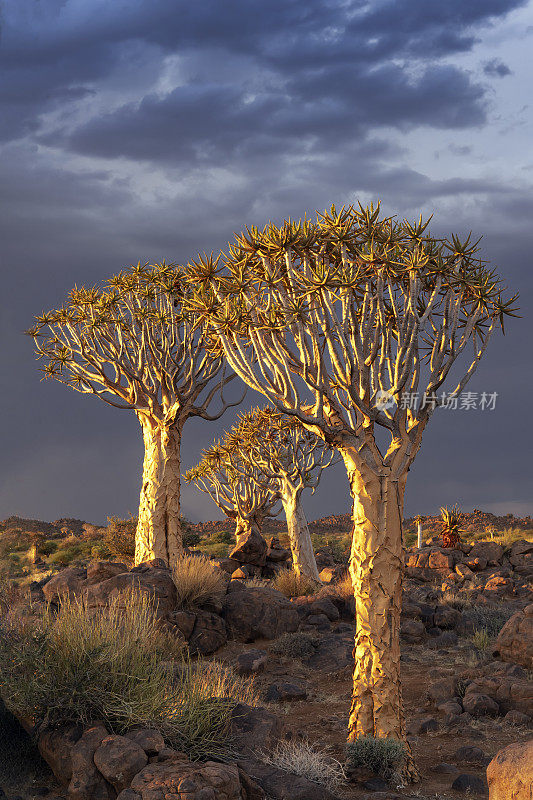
x=303 y=555
x=158 y=529
x=376 y=565
x=419 y=535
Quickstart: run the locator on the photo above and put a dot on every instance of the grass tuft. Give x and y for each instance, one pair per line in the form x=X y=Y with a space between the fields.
x=291 y=584
x=301 y=758
x=111 y=664
x=198 y=581
x=384 y=757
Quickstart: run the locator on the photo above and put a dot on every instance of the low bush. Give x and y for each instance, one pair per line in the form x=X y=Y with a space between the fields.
x=301 y=758
x=198 y=581
x=119 y=538
x=382 y=756
x=291 y=584
x=112 y=665
x=295 y=645
x=486 y=618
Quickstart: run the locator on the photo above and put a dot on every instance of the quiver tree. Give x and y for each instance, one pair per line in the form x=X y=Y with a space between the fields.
x=135 y=344
x=291 y=458
x=242 y=494
x=337 y=322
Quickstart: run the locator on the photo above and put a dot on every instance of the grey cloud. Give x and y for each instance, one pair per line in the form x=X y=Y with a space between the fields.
x=496 y=68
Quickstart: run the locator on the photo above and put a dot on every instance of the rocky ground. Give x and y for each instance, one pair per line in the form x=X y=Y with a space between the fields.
x=467 y=669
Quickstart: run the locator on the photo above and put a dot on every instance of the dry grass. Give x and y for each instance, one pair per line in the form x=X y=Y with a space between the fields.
x=291 y=584
x=112 y=664
x=198 y=581
x=301 y=758
x=344 y=587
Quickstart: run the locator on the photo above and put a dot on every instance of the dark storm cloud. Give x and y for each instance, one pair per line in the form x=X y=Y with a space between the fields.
x=273 y=109
x=496 y=68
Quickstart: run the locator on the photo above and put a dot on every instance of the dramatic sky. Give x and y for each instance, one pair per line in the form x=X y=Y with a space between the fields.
x=149 y=129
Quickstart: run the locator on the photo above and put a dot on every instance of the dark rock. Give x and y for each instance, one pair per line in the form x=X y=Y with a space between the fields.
x=99 y=571
x=209 y=634
x=254 y=729
x=55 y=746
x=151 y=741
x=285 y=691
x=469 y=755
x=376 y=784
x=119 y=759
x=479 y=705
x=469 y=783
x=281 y=785
x=183 y=621
x=251 y=661
x=67 y=583
x=423 y=725
x=87 y=783
x=515 y=640
x=251 y=548
x=259 y=613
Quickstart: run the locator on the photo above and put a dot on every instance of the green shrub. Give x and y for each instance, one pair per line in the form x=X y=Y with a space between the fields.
x=481 y=639
x=112 y=664
x=189 y=537
x=198 y=581
x=486 y=618
x=291 y=584
x=382 y=756
x=119 y=538
x=295 y=645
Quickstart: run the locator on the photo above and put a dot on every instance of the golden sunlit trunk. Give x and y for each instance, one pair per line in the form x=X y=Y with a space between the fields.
x=159 y=529
x=303 y=555
x=376 y=569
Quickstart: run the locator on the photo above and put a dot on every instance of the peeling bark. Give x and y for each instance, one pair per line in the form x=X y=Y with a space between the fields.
x=303 y=555
x=159 y=529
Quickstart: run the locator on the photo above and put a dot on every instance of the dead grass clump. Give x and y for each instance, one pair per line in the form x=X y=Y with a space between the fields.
x=301 y=758
x=292 y=584
x=344 y=587
x=198 y=581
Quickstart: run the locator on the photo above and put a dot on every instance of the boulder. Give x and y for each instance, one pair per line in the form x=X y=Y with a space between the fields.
x=151 y=741
x=469 y=784
x=183 y=621
x=181 y=780
x=55 y=746
x=413 y=631
x=209 y=634
x=510 y=773
x=251 y=548
x=251 y=662
x=515 y=640
x=480 y=705
x=490 y=553
x=517 y=718
x=119 y=759
x=258 y=613
x=281 y=785
x=154 y=581
x=87 y=782
x=521 y=557
x=442 y=561
x=99 y=571
x=276 y=552
x=67 y=583
x=447 y=617
x=285 y=691
x=254 y=729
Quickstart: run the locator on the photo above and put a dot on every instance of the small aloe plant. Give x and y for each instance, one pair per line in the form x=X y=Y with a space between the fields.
x=451 y=520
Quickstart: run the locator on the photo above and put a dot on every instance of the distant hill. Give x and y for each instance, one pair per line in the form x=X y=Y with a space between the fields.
x=474 y=521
